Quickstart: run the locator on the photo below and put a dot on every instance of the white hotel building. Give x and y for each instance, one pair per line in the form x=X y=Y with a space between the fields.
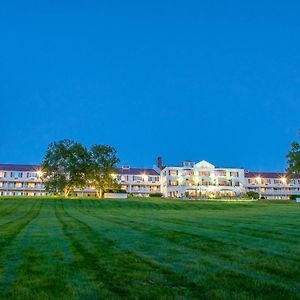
x=272 y=185
x=201 y=180
x=189 y=180
x=25 y=180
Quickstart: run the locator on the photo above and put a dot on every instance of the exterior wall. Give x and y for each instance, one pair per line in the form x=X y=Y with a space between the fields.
x=272 y=185
x=23 y=180
x=201 y=180
x=197 y=180
x=21 y=183
x=140 y=183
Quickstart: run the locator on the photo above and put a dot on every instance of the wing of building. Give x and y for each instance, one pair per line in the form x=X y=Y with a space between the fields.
x=270 y=185
x=25 y=180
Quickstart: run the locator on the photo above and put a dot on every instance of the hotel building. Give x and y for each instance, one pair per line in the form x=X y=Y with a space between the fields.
x=25 y=180
x=201 y=179
x=272 y=185
x=21 y=180
x=197 y=180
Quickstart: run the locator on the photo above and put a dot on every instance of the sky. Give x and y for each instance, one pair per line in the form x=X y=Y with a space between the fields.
x=185 y=80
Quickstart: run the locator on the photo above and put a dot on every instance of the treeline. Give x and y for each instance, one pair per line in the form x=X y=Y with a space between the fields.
x=69 y=165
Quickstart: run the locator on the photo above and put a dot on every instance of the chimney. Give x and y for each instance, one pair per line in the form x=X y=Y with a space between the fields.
x=160 y=162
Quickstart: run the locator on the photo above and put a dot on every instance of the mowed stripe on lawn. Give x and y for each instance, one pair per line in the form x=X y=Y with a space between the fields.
x=148 y=249
x=218 y=254
x=122 y=272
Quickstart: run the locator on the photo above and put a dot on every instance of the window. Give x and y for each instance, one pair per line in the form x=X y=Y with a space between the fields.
x=31 y=175
x=173 y=172
x=2 y=174
x=234 y=174
x=137 y=178
x=220 y=173
x=153 y=178
x=187 y=173
x=124 y=178
x=265 y=181
x=204 y=174
x=18 y=184
x=173 y=182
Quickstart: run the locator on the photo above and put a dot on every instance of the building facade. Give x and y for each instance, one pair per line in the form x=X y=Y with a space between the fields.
x=197 y=180
x=272 y=185
x=21 y=180
x=201 y=180
x=139 y=181
x=25 y=180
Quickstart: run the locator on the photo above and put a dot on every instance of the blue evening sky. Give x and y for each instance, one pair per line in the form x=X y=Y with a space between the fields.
x=213 y=80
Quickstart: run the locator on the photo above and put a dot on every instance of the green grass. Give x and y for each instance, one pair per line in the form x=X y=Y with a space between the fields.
x=148 y=249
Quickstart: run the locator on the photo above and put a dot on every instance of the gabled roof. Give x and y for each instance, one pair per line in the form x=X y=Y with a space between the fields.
x=203 y=164
x=137 y=171
x=19 y=167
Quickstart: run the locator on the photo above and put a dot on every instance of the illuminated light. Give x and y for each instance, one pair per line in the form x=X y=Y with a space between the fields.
x=258 y=179
x=283 y=180
x=113 y=176
x=39 y=173
x=144 y=176
x=196 y=180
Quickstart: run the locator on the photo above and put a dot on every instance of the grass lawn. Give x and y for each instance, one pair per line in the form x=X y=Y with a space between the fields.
x=148 y=249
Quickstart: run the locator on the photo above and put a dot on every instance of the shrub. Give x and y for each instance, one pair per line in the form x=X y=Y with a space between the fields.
x=253 y=195
x=159 y=195
x=293 y=197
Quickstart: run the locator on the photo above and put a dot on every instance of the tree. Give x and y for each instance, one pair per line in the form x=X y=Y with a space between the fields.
x=293 y=159
x=103 y=168
x=65 y=167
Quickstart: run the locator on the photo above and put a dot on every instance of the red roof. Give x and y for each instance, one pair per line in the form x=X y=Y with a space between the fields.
x=19 y=168
x=268 y=175
x=137 y=171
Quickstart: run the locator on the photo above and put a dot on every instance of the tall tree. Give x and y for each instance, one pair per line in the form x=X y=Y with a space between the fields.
x=103 y=168
x=293 y=158
x=65 y=167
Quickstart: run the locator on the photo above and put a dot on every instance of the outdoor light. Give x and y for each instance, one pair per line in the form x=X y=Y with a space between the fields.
x=258 y=179
x=39 y=173
x=196 y=180
x=283 y=180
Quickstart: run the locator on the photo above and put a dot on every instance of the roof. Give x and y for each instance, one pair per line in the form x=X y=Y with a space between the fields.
x=32 y=168
x=137 y=171
x=267 y=175
x=20 y=168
